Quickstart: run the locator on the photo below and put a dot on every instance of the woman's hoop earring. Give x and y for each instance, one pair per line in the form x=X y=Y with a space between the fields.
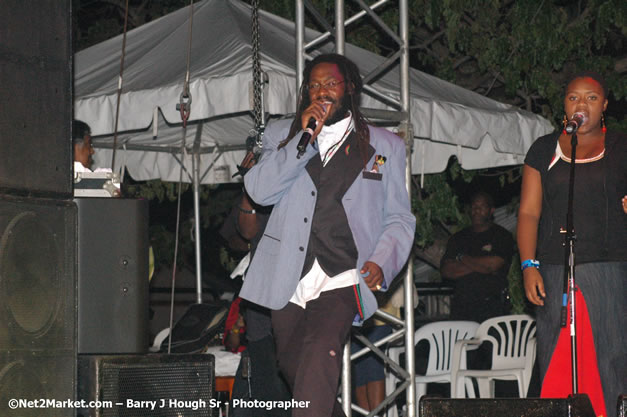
x=564 y=123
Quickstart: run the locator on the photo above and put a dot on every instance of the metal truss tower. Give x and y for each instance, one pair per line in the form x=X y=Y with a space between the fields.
x=399 y=60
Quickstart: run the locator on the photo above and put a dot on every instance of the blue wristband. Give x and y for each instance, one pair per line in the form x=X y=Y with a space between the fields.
x=528 y=263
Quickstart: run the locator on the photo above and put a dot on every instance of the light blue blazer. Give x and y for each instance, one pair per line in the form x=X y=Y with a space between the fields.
x=378 y=212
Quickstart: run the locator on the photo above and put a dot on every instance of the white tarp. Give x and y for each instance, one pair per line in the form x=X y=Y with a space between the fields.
x=446 y=119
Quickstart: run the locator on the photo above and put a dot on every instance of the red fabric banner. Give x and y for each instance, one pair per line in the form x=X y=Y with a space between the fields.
x=558 y=379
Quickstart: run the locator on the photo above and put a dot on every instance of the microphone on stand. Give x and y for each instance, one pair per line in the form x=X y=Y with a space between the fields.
x=306 y=137
x=575 y=123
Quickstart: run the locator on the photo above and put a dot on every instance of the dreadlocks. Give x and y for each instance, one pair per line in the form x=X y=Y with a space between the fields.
x=352 y=93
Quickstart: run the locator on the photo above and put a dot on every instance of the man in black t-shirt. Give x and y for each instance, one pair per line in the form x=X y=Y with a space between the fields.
x=257 y=377
x=476 y=261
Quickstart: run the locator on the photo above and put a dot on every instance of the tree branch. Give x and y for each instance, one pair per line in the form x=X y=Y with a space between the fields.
x=522 y=94
x=429 y=41
x=582 y=16
x=424 y=46
x=462 y=61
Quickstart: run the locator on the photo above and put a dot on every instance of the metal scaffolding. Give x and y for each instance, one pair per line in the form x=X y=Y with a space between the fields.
x=401 y=116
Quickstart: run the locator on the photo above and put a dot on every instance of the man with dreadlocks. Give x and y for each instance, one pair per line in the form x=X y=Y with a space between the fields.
x=341 y=228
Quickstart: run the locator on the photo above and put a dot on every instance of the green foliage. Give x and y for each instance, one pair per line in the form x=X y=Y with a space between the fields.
x=216 y=208
x=437 y=206
x=520 y=51
x=163 y=240
x=455 y=171
x=98 y=20
x=101 y=30
x=616 y=125
x=516 y=290
x=227 y=260
x=215 y=204
x=155 y=189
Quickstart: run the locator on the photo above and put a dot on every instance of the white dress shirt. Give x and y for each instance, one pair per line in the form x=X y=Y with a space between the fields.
x=316 y=281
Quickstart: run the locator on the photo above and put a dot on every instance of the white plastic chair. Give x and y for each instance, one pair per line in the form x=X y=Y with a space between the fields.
x=441 y=336
x=513 y=354
x=159 y=338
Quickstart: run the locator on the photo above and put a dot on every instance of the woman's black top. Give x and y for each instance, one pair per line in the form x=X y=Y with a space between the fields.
x=599 y=219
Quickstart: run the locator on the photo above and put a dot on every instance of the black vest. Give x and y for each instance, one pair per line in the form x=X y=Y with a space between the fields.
x=331 y=240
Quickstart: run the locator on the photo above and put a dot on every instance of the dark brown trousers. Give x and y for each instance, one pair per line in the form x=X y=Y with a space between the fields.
x=310 y=344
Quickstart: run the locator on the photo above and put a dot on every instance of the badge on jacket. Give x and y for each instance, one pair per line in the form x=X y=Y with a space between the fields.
x=379 y=160
x=374 y=173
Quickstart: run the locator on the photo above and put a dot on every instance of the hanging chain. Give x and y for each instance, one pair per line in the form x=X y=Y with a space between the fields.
x=257 y=77
x=184 y=105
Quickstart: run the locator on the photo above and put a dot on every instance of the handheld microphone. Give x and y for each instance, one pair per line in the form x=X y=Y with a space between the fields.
x=306 y=137
x=575 y=123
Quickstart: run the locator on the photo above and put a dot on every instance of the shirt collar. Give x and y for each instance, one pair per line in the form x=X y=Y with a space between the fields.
x=330 y=134
x=79 y=167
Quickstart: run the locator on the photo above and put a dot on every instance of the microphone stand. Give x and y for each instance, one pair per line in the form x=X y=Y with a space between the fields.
x=569 y=267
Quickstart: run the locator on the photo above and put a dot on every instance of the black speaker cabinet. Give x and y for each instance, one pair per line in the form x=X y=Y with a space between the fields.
x=36 y=97
x=37 y=304
x=573 y=406
x=112 y=275
x=147 y=385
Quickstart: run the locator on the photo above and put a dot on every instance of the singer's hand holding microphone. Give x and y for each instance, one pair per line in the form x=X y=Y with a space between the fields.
x=312 y=120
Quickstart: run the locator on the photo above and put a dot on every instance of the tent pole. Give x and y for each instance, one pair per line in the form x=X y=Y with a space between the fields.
x=196 y=189
x=346 y=386
x=339 y=27
x=299 y=20
x=410 y=360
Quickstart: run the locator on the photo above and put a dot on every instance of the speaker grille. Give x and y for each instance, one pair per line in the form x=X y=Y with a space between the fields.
x=36 y=100
x=30 y=263
x=17 y=381
x=36 y=376
x=37 y=265
x=37 y=303
x=186 y=379
x=573 y=406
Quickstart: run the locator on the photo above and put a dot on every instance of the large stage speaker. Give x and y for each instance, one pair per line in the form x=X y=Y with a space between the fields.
x=37 y=304
x=573 y=406
x=188 y=380
x=35 y=97
x=112 y=275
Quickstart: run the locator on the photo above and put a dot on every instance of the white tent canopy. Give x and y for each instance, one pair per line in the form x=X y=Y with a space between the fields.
x=446 y=119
